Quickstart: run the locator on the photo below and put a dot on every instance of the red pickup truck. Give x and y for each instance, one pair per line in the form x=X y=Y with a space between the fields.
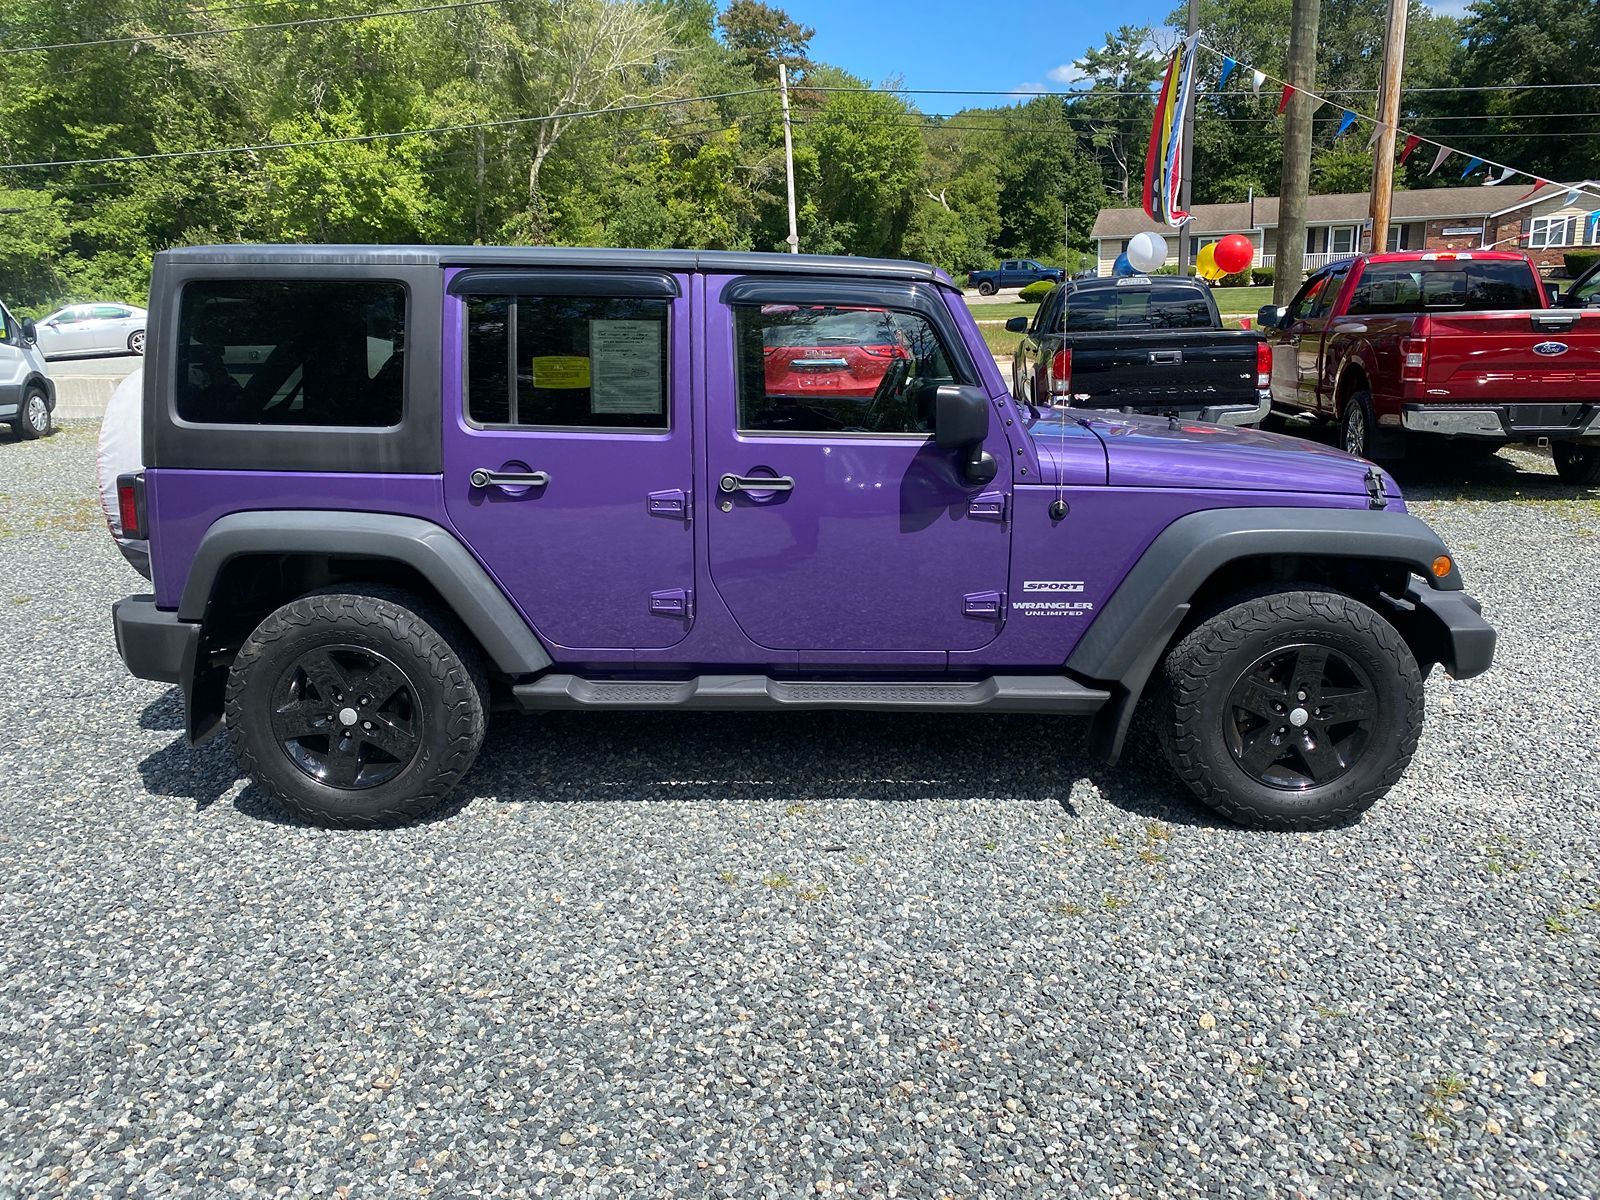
x=1459 y=347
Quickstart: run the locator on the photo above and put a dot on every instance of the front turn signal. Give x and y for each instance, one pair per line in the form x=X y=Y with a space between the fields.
x=1441 y=566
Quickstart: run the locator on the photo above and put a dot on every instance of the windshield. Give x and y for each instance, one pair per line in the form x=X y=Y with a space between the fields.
x=1458 y=285
x=1157 y=307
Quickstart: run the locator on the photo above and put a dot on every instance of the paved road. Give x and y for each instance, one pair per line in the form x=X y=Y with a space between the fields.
x=84 y=385
x=113 y=366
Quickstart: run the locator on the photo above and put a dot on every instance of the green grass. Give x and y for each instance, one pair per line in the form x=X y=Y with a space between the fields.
x=1244 y=300
x=1000 y=312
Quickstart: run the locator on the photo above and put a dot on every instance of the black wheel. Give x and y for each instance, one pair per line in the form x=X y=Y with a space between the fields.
x=356 y=709
x=1292 y=710
x=1356 y=425
x=33 y=420
x=1576 y=464
x=986 y=288
x=136 y=341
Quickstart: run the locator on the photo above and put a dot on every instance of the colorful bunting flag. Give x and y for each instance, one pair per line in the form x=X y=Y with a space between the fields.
x=1490 y=179
x=1472 y=166
x=1283 y=102
x=1570 y=198
x=1444 y=153
x=1228 y=66
x=1345 y=122
x=1163 y=164
x=1377 y=128
x=1412 y=142
x=1537 y=184
x=1256 y=80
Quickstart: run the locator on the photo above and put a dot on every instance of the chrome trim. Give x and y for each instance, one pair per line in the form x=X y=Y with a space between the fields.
x=1457 y=422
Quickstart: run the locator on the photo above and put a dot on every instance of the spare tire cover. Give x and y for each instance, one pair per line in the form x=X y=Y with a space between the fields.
x=121 y=452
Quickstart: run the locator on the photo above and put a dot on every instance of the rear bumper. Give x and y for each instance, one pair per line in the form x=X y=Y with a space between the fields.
x=1505 y=422
x=1215 y=414
x=153 y=643
x=1239 y=414
x=1447 y=628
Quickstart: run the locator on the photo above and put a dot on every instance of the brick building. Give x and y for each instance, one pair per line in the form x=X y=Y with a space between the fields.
x=1451 y=218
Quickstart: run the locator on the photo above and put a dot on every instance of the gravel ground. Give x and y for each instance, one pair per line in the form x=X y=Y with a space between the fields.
x=724 y=955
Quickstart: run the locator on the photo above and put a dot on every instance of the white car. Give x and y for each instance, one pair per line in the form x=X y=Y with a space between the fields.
x=92 y=329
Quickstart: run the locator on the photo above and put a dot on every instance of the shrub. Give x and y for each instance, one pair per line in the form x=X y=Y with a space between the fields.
x=1036 y=291
x=1262 y=276
x=1579 y=261
x=1166 y=269
x=1237 y=279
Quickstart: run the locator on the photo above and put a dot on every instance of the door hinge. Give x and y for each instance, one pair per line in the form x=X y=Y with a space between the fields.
x=674 y=602
x=988 y=506
x=674 y=502
x=1377 y=495
x=984 y=604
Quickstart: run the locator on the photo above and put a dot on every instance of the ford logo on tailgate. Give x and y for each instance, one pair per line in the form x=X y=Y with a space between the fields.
x=1550 y=349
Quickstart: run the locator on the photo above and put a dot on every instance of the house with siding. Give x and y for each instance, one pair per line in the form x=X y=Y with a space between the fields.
x=1545 y=224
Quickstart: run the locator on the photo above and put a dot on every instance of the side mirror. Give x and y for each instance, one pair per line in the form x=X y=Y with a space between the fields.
x=961 y=422
x=1271 y=316
x=1017 y=325
x=1552 y=294
x=30 y=331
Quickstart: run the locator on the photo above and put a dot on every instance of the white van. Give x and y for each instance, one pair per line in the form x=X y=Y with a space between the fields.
x=27 y=396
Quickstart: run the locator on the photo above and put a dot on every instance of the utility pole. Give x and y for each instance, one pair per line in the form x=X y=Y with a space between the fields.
x=1394 y=56
x=1296 y=179
x=1184 y=189
x=788 y=157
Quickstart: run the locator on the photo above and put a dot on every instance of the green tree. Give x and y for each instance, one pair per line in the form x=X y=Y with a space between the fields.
x=765 y=37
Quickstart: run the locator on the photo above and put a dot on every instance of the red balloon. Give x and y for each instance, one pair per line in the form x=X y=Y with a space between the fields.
x=1235 y=253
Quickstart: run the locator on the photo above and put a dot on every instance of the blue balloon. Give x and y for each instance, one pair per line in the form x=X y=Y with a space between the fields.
x=1122 y=266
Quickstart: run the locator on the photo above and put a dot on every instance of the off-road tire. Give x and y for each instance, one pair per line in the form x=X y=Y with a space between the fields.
x=1357 y=425
x=1194 y=688
x=986 y=288
x=35 y=404
x=443 y=672
x=1577 y=465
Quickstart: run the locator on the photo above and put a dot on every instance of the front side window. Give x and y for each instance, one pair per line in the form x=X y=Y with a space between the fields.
x=822 y=368
x=1300 y=308
x=10 y=331
x=567 y=362
x=298 y=352
x=1550 y=231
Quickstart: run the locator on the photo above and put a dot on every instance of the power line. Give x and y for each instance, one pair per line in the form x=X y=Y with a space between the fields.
x=378 y=137
x=278 y=25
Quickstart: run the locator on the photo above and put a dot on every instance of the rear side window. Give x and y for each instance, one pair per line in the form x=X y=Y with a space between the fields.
x=567 y=362
x=1104 y=309
x=291 y=352
x=1460 y=285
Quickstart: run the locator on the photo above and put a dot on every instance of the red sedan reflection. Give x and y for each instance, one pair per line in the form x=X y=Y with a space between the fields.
x=838 y=351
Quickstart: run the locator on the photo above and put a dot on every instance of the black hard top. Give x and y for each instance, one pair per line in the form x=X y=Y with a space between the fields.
x=733 y=262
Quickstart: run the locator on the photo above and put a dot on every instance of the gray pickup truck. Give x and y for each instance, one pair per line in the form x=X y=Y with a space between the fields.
x=1141 y=344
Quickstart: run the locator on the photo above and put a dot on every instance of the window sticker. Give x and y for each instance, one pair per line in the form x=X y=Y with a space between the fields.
x=558 y=371
x=627 y=366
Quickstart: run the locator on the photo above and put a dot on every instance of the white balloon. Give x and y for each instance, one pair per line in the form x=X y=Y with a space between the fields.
x=1147 y=251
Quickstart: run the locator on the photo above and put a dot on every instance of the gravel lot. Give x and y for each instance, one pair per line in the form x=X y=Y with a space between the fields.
x=721 y=955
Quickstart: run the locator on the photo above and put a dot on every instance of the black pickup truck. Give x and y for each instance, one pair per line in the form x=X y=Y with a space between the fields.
x=1144 y=344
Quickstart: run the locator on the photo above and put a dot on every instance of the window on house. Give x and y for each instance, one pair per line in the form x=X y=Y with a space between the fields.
x=1550 y=231
x=1399 y=238
x=1342 y=240
x=567 y=362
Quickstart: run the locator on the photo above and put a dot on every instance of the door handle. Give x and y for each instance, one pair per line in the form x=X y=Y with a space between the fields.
x=756 y=483
x=481 y=478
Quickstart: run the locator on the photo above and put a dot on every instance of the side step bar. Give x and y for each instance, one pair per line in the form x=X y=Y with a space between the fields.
x=1000 y=693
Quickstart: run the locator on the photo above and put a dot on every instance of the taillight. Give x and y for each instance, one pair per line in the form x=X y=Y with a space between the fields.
x=1414 y=353
x=130 y=505
x=883 y=351
x=1263 y=366
x=1061 y=373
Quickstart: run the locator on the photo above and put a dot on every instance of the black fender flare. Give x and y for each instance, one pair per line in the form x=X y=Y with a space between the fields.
x=1130 y=633
x=430 y=549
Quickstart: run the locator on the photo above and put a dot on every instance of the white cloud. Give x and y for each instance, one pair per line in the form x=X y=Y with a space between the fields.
x=1449 y=8
x=1067 y=73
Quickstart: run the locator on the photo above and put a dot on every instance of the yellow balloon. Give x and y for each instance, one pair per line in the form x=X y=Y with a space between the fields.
x=1205 y=263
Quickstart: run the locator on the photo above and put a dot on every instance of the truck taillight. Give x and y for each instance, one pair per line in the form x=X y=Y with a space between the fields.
x=1061 y=373
x=1414 y=353
x=130 y=505
x=1263 y=366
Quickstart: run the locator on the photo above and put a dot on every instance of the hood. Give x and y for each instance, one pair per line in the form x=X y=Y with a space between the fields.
x=1156 y=452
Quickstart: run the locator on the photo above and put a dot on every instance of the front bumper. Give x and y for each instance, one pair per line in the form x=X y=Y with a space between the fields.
x=153 y=643
x=1446 y=627
x=1505 y=422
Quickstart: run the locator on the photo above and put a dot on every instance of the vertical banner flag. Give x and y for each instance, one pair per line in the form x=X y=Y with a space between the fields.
x=1345 y=122
x=1472 y=166
x=1412 y=142
x=1283 y=102
x=1444 y=153
x=1163 y=164
x=1228 y=66
x=1256 y=80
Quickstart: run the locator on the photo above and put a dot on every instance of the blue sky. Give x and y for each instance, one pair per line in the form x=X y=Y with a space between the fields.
x=1000 y=45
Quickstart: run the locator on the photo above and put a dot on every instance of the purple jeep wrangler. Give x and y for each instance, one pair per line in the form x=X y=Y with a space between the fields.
x=387 y=489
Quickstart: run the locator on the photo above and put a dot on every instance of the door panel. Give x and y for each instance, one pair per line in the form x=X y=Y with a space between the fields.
x=568 y=459
x=868 y=540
